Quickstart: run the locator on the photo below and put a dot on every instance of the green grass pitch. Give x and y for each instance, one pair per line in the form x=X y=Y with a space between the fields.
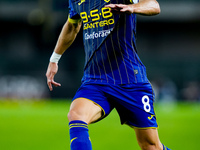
x=43 y=126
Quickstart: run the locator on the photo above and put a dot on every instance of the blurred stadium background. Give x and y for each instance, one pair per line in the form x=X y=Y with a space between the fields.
x=168 y=44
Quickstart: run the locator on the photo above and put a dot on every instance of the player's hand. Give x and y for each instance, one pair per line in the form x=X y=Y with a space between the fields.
x=51 y=71
x=121 y=8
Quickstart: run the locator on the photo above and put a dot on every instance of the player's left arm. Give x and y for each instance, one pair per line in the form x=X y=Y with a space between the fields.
x=143 y=7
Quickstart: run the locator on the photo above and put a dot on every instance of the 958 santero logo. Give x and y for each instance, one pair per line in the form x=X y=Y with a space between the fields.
x=95 y=16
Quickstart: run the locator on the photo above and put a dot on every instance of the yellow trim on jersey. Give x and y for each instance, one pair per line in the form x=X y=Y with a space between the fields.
x=131 y=1
x=74 y=21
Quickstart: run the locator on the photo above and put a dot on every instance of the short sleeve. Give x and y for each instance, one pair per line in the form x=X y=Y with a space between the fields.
x=74 y=17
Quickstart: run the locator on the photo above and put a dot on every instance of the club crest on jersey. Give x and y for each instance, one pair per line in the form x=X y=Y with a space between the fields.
x=107 y=1
x=82 y=1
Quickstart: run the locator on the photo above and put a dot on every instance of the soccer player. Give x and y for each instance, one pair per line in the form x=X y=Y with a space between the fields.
x=114 y=76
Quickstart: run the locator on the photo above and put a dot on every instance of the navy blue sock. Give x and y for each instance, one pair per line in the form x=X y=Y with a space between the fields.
x=165 y=148
x=79 y=136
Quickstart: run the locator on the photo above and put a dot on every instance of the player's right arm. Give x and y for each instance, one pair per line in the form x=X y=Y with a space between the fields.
x=67 y=35
x=66 y=38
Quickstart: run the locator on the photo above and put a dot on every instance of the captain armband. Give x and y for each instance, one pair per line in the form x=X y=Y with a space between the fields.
x=74 y=21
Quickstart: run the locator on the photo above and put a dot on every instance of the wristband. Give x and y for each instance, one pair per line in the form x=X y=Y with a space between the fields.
x=55 y=57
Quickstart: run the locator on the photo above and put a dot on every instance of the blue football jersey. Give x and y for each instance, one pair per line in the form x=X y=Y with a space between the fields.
x=109 y=42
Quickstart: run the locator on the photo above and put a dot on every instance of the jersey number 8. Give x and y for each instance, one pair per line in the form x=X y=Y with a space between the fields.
x=95 y=15
x=145 y=102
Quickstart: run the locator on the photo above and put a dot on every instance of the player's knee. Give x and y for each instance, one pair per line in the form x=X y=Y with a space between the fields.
x=147 y=147
x=74 y=115
x=150 y=146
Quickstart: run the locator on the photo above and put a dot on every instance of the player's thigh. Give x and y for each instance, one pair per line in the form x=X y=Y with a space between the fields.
x=85 y=110
x=147 y=137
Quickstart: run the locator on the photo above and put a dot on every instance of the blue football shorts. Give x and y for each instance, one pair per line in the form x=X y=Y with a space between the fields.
x=133 y=102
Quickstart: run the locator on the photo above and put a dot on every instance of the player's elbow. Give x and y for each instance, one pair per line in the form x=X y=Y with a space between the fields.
x=156 y=8
x=153 y=8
